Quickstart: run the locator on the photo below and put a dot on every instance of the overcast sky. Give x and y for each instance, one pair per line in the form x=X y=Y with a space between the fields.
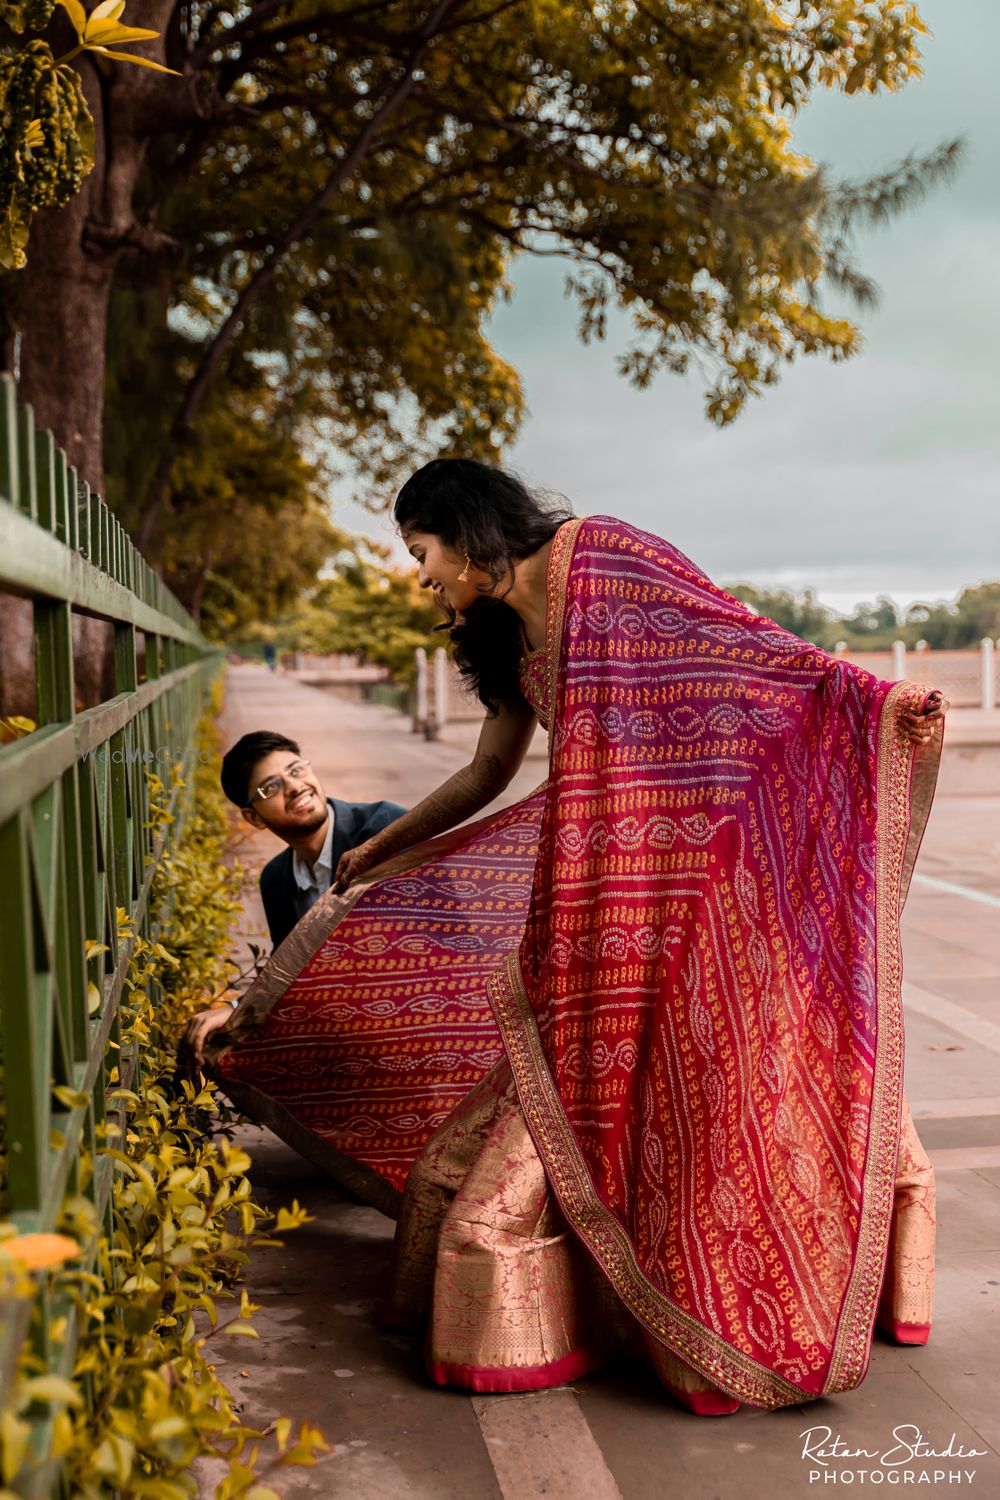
x=881 y=475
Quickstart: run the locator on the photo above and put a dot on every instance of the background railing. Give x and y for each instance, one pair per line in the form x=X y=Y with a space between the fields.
x=969 y=679
x=77 y=842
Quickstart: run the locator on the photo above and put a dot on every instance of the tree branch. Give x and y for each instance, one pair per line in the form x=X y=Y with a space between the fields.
x=254 y=37
x=394 y=94
x=133 y=236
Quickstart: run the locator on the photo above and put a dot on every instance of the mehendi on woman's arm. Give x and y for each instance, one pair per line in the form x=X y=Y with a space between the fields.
x=467 y=792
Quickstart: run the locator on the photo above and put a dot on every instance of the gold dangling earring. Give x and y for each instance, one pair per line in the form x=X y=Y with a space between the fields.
x=463 y=577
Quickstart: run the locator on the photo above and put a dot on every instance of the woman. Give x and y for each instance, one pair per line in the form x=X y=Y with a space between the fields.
x=634 y=1047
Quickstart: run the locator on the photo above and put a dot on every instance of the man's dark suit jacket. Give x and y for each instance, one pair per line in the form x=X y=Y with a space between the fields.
x=353 y=822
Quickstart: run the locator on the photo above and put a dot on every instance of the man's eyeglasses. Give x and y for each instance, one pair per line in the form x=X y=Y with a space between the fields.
x=272 y=786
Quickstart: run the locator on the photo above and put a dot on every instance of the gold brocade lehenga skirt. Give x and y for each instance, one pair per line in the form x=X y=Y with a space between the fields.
x=511 y=1299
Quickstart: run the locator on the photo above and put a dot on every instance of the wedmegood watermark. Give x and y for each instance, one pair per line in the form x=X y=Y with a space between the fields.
x=162 y=754
x=908 y=1459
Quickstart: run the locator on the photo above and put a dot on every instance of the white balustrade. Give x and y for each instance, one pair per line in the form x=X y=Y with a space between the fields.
x=420 y=697
x=898 y=660
x=986 y=662
x=441 y=675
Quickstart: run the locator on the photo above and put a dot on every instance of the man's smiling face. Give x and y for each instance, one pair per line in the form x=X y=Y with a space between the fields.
x=298 y=806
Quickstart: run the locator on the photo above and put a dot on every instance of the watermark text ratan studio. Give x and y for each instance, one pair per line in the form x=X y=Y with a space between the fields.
x=909 y=1459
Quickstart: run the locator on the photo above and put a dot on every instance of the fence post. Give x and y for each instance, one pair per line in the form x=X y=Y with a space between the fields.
x=420 y=695
x=986 y=660
x=440 y=716
x=898 y=660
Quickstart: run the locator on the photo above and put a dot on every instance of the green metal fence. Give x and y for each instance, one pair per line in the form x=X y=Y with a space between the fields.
x=76 y=840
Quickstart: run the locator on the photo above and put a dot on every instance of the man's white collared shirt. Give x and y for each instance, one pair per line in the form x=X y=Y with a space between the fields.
x=311 y=884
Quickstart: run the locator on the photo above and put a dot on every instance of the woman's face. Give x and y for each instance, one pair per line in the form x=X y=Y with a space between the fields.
x=439 y=570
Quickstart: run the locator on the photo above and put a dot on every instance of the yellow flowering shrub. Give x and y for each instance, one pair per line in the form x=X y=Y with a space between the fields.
x=152 y=1286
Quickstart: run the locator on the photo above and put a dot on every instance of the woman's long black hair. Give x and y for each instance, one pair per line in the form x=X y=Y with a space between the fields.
x=489 y=515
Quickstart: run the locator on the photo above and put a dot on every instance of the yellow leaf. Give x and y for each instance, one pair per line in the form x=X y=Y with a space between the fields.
x=291 y=1218
x=37 y=1251
x=14 y=1438
x=53 y=1388
x=110 y=31
x=71 y=1098
x=168 y=1427
x=243 y=1329
x=62 y=1433
x=77 y=15
x=93 y=998
x=143 y=62
x=17 y=723
x=93 y=947
x=111 y=9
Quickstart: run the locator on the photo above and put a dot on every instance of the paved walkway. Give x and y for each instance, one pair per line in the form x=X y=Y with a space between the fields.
x=616 y=1436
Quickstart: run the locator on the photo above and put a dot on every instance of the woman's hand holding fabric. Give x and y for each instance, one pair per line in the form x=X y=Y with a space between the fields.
x=919 y=728
x=467 y=792
x=503 y=744
x=354 y=863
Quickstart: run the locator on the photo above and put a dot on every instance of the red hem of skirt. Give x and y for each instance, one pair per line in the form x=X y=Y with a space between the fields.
x=703 y=1403
x=905 y=1333
x=514 y=1378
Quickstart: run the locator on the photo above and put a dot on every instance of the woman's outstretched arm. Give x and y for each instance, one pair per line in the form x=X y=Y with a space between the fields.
x=503 y=744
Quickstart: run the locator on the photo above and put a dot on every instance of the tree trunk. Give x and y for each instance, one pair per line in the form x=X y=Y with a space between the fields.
x=74 y=251
x=63 y=320
x=63 y=353
x=200 y=584
x=65 y=310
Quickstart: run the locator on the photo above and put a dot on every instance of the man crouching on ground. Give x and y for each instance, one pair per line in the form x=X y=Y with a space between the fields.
x=266 y=777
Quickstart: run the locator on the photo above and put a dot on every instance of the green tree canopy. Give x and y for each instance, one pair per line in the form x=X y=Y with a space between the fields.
x=248 y=531
x=802 y=614
x=974 y=615
x=957 y=625
x=364 y=607
x=339 y=186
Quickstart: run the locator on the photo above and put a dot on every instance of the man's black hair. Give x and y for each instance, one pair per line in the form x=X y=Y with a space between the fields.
x=238 y=762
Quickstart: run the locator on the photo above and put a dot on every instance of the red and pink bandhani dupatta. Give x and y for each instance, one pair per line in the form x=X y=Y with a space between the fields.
x=371 y=1021
x=703 y=1017
x=690 y=943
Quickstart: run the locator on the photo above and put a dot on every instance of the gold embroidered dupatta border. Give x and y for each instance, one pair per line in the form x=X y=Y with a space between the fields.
x=906 y=778
x=902 y=815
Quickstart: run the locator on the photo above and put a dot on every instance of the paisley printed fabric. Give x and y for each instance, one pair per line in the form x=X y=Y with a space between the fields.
x=689 y=941
x=703 y=1019
x=371 y=1022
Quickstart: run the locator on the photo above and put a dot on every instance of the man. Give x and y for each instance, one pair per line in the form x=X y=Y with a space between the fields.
x=265 y=775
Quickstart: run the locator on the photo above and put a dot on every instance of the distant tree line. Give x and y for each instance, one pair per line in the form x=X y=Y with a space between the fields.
x=368 y=608
x=963 y=622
